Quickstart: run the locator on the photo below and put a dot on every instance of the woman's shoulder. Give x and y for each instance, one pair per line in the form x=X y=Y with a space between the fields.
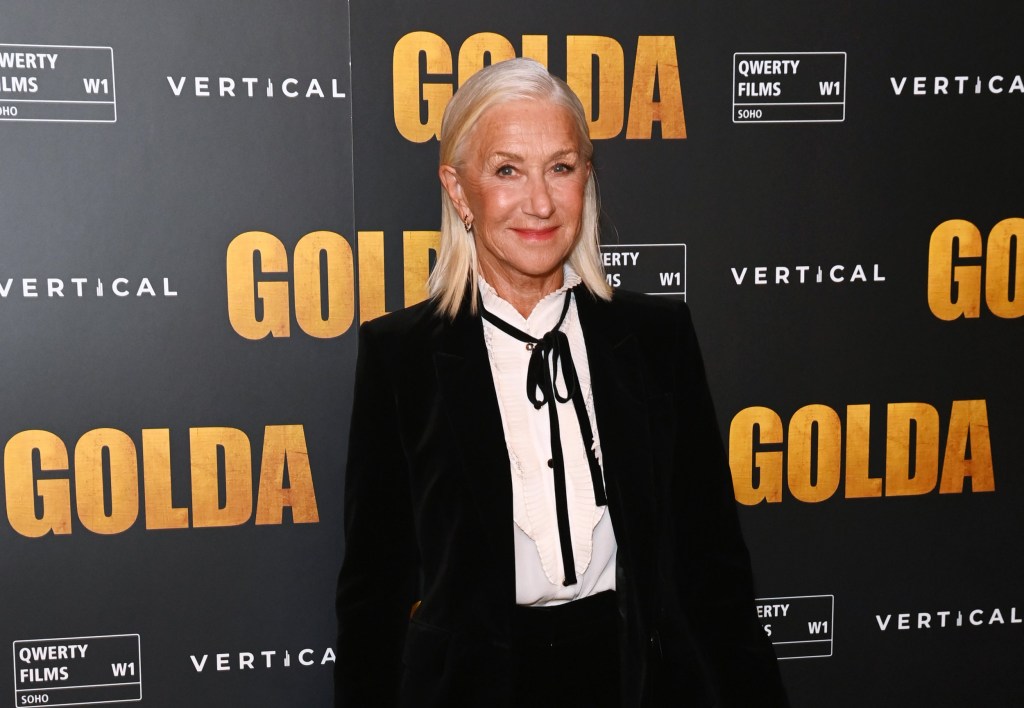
x=406 y=321
x=408 y=332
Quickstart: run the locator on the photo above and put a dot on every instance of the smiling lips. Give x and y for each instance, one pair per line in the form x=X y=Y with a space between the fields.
x=537 y=234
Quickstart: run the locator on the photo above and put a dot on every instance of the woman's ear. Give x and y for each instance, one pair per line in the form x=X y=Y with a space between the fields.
x=450 y=181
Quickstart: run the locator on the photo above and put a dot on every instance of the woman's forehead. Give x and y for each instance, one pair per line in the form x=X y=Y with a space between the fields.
x=524 y=126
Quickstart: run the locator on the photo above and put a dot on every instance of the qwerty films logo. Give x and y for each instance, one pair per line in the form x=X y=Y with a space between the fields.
x=652 y=268
x=74 y=671
x=57 y=83
x=789 y=87
x=800 y=627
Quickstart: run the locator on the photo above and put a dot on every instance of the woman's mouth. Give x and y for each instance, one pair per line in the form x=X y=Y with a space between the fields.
x=536 y=233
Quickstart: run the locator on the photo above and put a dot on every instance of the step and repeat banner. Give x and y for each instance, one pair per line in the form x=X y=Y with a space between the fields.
x=200 y=203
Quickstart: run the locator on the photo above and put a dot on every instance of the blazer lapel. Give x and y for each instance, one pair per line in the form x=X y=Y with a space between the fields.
x=616 y=370
x=467 y=389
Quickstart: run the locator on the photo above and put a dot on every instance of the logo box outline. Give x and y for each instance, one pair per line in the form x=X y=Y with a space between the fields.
x=831 y=619
x=815 y=103
x=113 y=90
x=138 y=647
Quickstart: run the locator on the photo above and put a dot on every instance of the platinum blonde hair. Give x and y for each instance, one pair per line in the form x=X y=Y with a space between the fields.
x=512 y=80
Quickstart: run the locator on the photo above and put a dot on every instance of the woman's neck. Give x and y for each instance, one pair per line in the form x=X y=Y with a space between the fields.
x=523 y=293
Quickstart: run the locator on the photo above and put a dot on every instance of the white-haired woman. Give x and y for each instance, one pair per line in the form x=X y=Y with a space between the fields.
x=538 y=509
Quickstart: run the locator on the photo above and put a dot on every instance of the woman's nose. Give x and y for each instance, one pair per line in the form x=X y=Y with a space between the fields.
x=539 y=202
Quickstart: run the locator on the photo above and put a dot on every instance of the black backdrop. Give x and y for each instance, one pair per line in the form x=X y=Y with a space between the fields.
x=229 y=378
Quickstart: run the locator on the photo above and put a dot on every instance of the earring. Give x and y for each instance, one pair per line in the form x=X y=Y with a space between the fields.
x=467 y=223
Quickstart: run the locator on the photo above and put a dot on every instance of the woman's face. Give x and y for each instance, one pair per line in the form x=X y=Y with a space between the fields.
x=521 y=183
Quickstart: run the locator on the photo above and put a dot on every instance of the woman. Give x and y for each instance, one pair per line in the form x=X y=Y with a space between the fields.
x=538 y=509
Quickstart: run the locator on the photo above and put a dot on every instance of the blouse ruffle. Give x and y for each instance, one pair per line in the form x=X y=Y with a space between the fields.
x=528 y=434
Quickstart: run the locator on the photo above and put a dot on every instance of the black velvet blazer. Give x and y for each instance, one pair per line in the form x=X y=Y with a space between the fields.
x=428 y=517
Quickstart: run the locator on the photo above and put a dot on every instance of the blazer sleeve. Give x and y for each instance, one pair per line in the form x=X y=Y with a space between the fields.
x=379 y=576
x=713 y=565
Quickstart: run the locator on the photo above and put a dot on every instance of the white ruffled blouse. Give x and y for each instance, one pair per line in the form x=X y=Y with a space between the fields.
x=527 y=430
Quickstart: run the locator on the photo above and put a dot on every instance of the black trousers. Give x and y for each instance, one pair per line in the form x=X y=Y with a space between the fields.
x=567 y=655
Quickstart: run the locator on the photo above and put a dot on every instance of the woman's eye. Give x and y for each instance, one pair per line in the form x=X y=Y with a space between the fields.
x=563 y=167
x=506 y=171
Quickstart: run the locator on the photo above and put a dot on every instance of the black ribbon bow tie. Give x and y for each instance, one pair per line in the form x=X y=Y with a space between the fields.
x=550 y=359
